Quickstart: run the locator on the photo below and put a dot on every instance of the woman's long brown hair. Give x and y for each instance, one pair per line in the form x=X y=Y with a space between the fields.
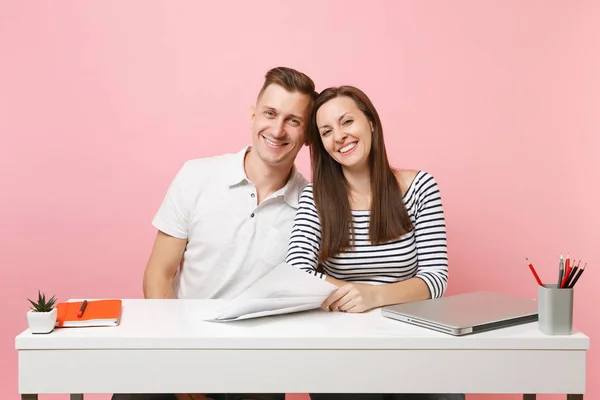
x=389 y=218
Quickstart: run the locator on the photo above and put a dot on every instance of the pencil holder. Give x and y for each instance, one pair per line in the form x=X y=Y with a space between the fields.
x=555 y=310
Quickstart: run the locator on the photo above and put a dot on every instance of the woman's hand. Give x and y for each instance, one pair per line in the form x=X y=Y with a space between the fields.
x=353 y=297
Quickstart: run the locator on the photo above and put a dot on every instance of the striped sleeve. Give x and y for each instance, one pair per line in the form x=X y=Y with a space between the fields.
x=305 y=239
x=430 y=235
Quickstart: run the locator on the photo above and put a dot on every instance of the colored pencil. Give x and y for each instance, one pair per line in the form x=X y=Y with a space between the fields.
x=577 y=276
x=537 y=278
x=563 y=283
x=573 y=272
x=561 y=270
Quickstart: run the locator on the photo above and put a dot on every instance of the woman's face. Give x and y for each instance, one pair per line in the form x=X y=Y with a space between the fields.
x=345 y=132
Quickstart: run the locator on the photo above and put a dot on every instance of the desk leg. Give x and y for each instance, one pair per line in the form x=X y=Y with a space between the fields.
x=29 y=397
x=574 y=397
x=529 y=397
x=76 y=396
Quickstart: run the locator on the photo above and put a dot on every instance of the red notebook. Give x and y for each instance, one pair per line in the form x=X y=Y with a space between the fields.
x=97 y=313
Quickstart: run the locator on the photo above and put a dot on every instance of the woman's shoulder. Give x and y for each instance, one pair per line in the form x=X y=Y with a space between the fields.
x=308 y=188
x=306 y=194
x=411 y=180
x=406 y=178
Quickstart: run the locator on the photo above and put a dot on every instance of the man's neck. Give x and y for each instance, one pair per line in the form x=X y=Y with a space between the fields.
x=266 y=178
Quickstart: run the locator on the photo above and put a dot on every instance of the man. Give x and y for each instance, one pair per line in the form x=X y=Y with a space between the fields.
x=226 y=220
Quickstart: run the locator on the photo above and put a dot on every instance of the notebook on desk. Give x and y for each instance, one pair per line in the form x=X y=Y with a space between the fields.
x=96 y=313
x=466 y=313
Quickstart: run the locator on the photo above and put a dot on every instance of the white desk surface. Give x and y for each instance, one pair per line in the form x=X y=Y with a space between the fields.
x=165 y=346
x=178 y=324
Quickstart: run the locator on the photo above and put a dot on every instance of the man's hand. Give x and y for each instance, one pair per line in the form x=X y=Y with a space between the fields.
x=353 y=297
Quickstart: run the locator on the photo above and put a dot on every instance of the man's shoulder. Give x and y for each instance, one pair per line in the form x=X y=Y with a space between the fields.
x=300 y=180
x=214 y=164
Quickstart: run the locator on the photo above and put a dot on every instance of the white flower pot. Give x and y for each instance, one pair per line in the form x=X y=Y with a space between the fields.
x=41 y=322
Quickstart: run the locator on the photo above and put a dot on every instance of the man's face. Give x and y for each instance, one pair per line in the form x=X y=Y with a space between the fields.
x=279 y=125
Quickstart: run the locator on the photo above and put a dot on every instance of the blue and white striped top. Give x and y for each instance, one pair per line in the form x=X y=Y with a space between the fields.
x=420 y=253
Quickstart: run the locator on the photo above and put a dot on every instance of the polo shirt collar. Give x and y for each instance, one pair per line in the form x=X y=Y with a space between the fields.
x=237 y=174
x=293 y=188
x=290 y=192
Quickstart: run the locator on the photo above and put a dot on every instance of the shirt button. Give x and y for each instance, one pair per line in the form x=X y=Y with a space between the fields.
x=252 y=195
x=252 y=215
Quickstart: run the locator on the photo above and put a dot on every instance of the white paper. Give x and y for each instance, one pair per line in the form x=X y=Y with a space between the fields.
x=285 y=289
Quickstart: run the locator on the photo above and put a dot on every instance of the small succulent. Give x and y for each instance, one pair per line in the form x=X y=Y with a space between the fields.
x=42 y=305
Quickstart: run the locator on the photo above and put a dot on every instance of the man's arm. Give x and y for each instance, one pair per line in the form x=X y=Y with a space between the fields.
x=162 y=266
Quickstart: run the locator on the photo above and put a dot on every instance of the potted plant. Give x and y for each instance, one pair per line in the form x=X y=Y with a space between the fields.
x=42 y=316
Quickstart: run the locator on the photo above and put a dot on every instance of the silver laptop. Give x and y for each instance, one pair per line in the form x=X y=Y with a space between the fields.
x=466 y=313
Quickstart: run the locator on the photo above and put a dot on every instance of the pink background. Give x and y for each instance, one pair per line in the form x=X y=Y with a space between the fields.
x=101 y=103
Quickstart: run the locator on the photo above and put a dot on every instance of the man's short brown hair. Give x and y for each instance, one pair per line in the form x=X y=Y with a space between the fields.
x=291 y=80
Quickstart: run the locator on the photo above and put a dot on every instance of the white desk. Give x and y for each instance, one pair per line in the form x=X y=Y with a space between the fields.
x=163 y=346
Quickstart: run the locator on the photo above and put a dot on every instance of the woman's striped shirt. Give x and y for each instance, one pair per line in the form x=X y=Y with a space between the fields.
x=420 y=253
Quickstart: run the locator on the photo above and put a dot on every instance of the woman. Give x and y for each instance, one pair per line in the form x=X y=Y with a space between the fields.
x=397 y=252
x=393 y=249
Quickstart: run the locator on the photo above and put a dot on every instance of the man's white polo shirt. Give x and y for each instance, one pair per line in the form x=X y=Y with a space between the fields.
x=231 y=241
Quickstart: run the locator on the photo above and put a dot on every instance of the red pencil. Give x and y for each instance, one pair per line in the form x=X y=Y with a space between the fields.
x=537 y=278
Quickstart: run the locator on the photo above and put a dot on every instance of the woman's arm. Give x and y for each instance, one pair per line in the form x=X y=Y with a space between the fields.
x=305 y=239
x=432 y=254
x=431 y=278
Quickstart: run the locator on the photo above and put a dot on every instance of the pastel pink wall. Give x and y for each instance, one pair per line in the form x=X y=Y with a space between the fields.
x=101 y=103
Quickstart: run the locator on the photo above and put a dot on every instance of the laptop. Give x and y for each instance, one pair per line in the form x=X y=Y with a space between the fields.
x=466 y=313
